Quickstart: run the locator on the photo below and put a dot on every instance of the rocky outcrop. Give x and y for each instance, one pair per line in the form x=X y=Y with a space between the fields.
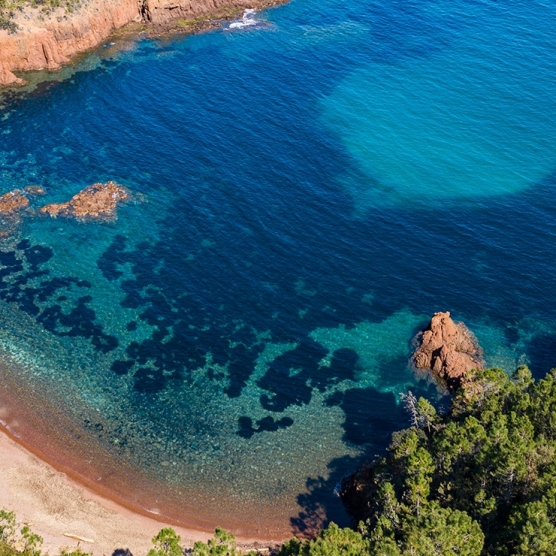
x=161 y=12
x=447 y=349
x=49 y=41
x=96 y=202
x=13 y=202
x=12 y=206
x=7 y=78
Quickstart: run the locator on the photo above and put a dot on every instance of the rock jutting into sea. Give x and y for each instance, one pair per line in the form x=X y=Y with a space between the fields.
x=448 y=349
x=97 y=201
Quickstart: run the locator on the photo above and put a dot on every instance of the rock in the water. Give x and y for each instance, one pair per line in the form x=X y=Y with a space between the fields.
x=34 y=190
x=11 y=206
x=12 y=202
x=449 y=350
x=97 y=201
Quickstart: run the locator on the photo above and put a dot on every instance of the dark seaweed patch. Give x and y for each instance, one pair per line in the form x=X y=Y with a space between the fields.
x=122 y=367
x=267 y=424
x=33 y=290
x=148 y=380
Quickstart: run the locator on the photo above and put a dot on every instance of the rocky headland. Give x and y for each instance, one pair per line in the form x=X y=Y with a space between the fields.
x=447 y=349
x=37 y=37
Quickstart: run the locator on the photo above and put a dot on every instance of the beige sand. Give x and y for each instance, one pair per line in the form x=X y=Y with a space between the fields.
x=53 y=504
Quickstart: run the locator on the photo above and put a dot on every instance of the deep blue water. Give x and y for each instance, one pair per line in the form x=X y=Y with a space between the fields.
x=315 y=189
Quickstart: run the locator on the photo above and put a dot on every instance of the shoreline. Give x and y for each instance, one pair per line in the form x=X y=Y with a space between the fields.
x=40 y=429
x=50 y=43
x=53 y=503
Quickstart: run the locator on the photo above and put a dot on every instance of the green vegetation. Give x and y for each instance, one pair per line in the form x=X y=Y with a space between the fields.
x=480 y=480
x=166 y=543
x=17 y=540
x=332 y=541
x=8 y=9
x=222 y=544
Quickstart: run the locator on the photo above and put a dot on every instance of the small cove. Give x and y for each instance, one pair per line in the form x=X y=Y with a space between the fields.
x=238 y=342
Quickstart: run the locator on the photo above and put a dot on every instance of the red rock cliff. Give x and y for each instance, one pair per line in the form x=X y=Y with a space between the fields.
x=160 y=12
x=47 y=42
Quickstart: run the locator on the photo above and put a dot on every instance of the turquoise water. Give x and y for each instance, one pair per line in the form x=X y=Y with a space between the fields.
x=315 y=187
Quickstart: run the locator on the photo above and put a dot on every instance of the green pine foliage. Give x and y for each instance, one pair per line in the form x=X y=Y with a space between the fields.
x=478 y=481
x=332 y=541
x=16 y=540
x=222 y=544
x=166 y=543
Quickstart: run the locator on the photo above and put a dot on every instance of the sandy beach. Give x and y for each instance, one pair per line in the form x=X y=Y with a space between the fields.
x=53 y=505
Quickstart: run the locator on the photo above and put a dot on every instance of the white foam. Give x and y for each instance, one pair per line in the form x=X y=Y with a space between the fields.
x=247 y=20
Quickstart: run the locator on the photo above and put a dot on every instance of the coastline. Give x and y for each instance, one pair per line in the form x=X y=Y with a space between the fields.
x=52 y=41
x=53 y=504
x=41 y=429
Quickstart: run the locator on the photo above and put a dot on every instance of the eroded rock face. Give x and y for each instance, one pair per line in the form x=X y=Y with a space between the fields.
x=449 y=350
x=96 y=202
x=160 y=12
x=49 y=41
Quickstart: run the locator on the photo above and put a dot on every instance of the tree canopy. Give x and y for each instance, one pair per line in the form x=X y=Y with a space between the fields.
x=479 y=480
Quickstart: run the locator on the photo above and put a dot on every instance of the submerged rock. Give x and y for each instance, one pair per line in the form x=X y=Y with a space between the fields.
x=448 y=349
x=34 y=190
x=97 y=201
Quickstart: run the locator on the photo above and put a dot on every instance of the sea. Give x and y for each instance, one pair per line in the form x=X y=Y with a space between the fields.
x=310 y=184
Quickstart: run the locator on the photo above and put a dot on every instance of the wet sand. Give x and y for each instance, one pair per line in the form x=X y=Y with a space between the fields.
x=53 y=504
x=53 y=473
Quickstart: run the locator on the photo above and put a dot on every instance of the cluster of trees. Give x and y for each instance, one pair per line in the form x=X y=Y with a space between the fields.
x=480 y=480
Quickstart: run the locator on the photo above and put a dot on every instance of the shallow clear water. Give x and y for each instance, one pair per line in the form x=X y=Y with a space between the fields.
x=315 y=188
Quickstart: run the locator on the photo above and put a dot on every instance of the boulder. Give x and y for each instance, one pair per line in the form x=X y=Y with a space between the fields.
x=447 y=349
